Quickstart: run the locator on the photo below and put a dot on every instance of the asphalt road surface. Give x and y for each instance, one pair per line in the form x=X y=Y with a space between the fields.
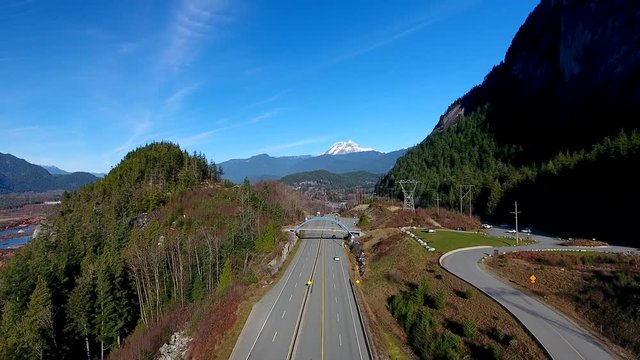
x=562 y=338
x=330 y=327
x=323 y=313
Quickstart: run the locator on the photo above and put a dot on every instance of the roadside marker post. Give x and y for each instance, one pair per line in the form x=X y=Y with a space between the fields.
x=533 y=278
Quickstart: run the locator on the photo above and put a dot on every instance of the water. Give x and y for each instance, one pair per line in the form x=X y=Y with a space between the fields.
x=4 y=244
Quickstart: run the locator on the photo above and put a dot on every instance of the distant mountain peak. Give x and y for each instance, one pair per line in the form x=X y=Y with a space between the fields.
x=345 y=147
x=54 y=170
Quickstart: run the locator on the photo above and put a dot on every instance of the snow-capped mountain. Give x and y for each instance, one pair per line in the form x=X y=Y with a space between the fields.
x=347 y=147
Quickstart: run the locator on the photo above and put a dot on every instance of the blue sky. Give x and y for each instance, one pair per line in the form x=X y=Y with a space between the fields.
x=83 y=82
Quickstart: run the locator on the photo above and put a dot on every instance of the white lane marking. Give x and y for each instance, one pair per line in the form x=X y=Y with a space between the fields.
x=340 y=337
x=336 y=299
x=334 y=275
x=296 y=285
x=274 y=337
x=334 y=285
x=290 y=296
x=355 y=332
x=273 y=306
x=300 y=274
x=282 y=317
x=338 y=316
x=565 y=340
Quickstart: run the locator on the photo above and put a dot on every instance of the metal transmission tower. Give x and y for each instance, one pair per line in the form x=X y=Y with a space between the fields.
x=467 y=194
x=408 y=190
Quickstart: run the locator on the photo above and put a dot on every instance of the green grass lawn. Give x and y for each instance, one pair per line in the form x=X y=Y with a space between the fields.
x=445 y=241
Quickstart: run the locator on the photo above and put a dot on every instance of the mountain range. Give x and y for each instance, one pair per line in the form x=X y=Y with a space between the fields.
x=341 y=158
x=54 y=170
x=18 y=175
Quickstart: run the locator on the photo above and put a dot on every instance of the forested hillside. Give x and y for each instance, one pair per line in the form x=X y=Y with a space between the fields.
x=159 y=232
x=551 y=127
x=362 y=179
x=18 y=175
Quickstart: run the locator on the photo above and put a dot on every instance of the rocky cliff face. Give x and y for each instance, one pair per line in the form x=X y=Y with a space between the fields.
x=571 y=75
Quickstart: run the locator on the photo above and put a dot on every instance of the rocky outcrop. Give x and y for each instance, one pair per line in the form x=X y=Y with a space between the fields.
x=570 y=76
x=274 y=265
x=176 y=348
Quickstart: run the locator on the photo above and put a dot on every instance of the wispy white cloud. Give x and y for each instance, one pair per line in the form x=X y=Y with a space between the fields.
x=432 y=13
x=22 y=130
x=267 y=100
x=279 y=147
x=192 y=24
x=140 y=127
x=263 y=116
x=197 y=138
x=387 y=39
x=175 y=100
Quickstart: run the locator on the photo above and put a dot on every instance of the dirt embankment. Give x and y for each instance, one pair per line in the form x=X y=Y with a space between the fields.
x=396 y=265
x=599 y=291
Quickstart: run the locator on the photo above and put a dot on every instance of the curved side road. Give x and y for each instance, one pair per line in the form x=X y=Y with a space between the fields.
x=561 y=338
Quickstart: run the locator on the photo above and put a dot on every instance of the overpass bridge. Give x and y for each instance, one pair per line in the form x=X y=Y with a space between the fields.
x=320 y=227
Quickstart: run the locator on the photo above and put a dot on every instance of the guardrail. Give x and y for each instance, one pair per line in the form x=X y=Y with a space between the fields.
x=362 y=322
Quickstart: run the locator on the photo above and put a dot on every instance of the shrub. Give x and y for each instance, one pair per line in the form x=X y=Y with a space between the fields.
x=469 y=329
x=468 y=293
x=197 y=290
x=439 y=300
x=444 y=345
x=496 y=352
x=363 y=220
x=501 y=337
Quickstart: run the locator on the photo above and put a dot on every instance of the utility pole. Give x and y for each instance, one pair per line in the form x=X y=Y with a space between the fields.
x=516 y=213
x=438 y=203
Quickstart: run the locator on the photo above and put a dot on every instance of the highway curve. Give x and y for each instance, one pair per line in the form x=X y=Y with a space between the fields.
x=561 y=337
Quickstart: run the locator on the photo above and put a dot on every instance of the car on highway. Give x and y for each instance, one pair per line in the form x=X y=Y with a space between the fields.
x=486 y=226
x=336 y=258
x=512 y=231
x=526 y=231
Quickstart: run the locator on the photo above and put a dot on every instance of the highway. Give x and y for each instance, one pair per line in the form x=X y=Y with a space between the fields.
x=561 y=337
x=297 y=321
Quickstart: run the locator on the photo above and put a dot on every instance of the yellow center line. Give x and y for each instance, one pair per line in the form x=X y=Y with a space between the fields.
x=304 y=299
x=322 y=244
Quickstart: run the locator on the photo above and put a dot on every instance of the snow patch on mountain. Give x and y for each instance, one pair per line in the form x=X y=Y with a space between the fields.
x=345 y=147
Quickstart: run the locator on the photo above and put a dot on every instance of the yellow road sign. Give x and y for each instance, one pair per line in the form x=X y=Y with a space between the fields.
x=357 y=281
x=309 y=282
x=532 y=278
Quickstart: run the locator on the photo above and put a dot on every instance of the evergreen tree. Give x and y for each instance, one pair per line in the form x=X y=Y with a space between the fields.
x=80 y=308
x=38 y=322
x=226 y=278
x=105 y=313
x=13 y=344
